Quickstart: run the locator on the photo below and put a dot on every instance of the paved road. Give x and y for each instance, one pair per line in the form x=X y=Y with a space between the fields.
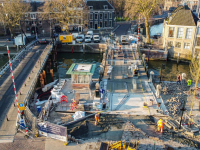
x=8 y=97
x=14 y=65
x=122 y=30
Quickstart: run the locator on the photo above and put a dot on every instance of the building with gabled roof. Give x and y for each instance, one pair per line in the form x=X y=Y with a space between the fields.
x=180 y=32
x=100 y=14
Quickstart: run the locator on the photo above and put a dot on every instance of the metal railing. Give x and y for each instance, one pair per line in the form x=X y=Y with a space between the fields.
x=7 y=65
x=34 y=82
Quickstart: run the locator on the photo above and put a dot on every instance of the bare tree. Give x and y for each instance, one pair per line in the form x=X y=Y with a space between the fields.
x=195 y=74
x=118 y=5
x=11 y=12
x=65 y=12
x=143 y=7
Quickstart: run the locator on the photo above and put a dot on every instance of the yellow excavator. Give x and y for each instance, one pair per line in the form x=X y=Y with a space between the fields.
x=124 y=146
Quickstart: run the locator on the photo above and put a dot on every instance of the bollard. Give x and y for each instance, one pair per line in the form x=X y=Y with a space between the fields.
x=7 y=117
x=25 y=83
x=29 y=77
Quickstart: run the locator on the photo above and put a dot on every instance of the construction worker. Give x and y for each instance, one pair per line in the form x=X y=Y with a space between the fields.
x=189 y=82
x=160 y=124
x=120 y=47
x=178 y=79
x=97 y=118
x=101 y=92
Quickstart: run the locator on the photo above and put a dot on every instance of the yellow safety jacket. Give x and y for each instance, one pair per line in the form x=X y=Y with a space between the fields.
x=160 y=123
x=189 y=82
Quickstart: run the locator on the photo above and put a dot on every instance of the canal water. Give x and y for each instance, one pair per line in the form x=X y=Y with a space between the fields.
x=171 y=71
x=65 y=60
x=156 y=29
x=3 y=60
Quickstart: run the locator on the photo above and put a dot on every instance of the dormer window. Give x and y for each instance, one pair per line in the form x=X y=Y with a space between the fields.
x=90 y=7
x=105 y=7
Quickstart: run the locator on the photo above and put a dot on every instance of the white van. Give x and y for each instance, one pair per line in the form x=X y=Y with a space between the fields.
x=96 y=38
x=87 y=39
x=90 y=33
x=80 y=38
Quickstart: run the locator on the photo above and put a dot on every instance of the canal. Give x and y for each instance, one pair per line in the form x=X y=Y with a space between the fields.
x=64 y=61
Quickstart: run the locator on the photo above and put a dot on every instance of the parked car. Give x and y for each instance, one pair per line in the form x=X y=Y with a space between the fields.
x=80 y=38
x=87 y=39
x=96 y=38
x=43 y=41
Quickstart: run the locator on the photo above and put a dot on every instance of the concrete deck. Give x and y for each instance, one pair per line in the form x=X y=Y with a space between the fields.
x=121 y=92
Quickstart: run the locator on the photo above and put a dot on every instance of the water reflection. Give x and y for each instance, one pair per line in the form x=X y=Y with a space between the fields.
x=172 y=69
x=66 y=59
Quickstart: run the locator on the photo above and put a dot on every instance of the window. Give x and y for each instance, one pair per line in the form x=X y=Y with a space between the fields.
x=105 y=7
x=170 y=43
x=91 y=24
x=105 y=16
x=178 y=45
x=186 y=45
x=26 y=14
x=180 y=33
x=91 y=16
x=110 y=23
x=101 y=16
x=80 y=21
x=171 y=31
x=188 y=33
x=106 y=24
x=101 y=24
x=110 y=16
x=96 y=16
x=33 y=16
x=90 y=7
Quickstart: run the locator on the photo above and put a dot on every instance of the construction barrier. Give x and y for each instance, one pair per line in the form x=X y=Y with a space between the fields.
x=53 y=131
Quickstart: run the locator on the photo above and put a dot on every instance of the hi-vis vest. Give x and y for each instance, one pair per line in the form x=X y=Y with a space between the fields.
x=160 y=123
x=189 y=82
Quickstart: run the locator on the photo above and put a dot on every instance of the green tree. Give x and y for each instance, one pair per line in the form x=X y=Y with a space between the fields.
x=143 y=7
x=11 y=13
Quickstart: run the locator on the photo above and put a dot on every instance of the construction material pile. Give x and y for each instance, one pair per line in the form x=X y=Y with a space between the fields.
x=173 y=96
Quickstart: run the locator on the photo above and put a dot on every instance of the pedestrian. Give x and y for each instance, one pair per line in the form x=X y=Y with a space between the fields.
x=101 y=91
x=160 y=124
x=72 y=49
x=178 y=79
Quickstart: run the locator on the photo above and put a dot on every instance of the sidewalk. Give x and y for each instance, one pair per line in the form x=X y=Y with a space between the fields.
x=8 y=129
